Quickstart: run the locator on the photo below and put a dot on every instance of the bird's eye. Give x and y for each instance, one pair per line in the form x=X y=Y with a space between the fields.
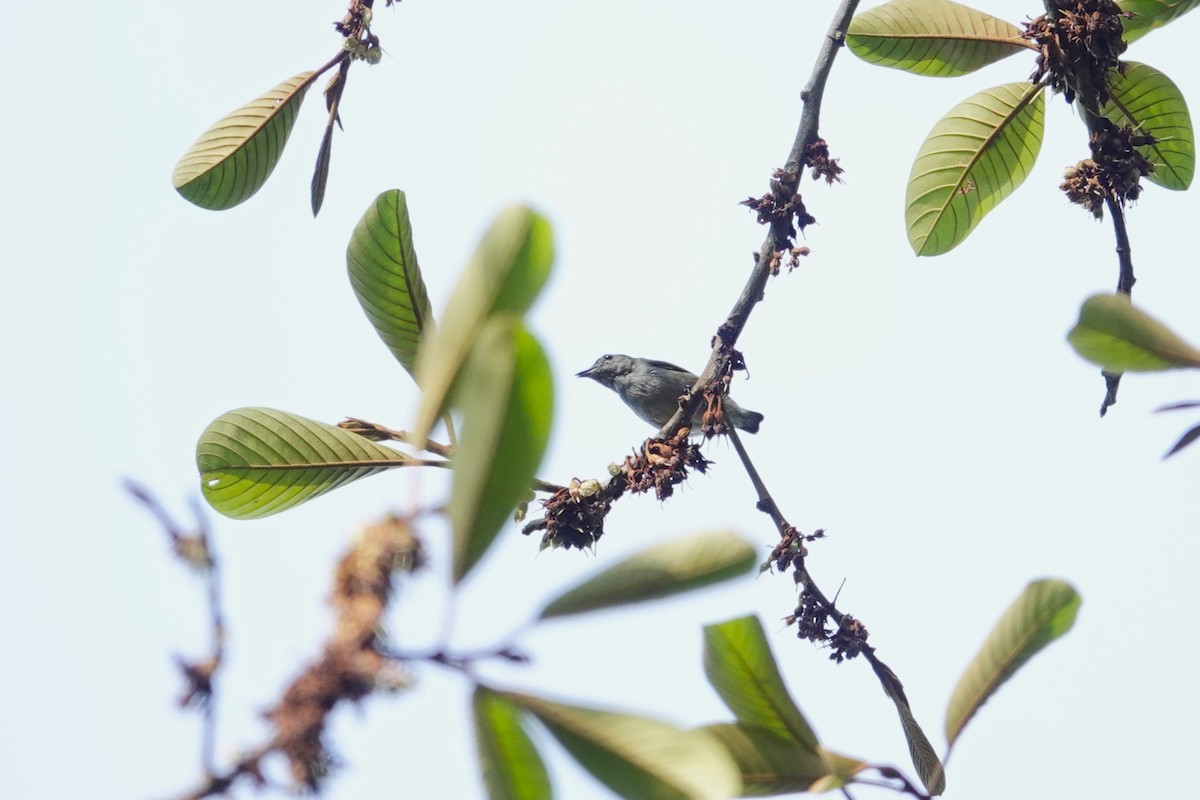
x=608 y=357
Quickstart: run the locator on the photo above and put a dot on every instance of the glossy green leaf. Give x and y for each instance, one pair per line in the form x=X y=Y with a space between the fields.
x=1151 y=14
x=233 y=159
x=507 y=403
x=636 y=757
x=383 y=269
x=1044 y=611
x=256 y=461
x=974 y=157
x=1114 y=334
x=660 y=571
x=920 y=750
x=769 y=764
x=512 y=767
x=939 y=38
x=507 y=272
x=1146 y=99
x=739 y=665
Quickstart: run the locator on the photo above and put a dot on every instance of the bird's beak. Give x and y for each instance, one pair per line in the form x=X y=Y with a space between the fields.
x=587 y=373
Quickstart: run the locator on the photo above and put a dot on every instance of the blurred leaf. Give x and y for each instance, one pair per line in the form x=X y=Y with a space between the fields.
x=512 y=767
x=257 y=461
x=1151 y=14
x=924 y=757
x=1114 y=334
x=1145 y=99
x=938 y=38
x=507 y=402
x=387 y=281
x=1044 y=611
x=1192 y=435
x=660 y=571
x=507 y=272
x=975 y=156
x=233 y=159
x=842 y=770
x=769 y=764
x=321 y=171
x=739 y=665
x=637 y=757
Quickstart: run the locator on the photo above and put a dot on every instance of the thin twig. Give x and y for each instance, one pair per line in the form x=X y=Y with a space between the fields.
x=752 y=293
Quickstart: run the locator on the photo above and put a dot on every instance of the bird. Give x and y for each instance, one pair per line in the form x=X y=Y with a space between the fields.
x=652 y=390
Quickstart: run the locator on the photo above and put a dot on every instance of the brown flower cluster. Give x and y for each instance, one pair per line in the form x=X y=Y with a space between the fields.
x=1113 y=172
x=1079 y=46
x=574 y=515
x=351 y=665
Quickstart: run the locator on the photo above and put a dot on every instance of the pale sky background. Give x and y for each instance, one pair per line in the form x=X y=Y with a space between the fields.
x=927 y=413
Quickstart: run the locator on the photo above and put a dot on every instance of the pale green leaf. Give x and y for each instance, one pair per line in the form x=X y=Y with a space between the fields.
x=770 y=764
x=1114 y=334
x=1151 y=14
x=507 y=272
x=842 y=770
x=740 y=666
x=507 y=402
x=974 y=157
x=939 y=38
x=1044 y=611
x=1147 y=100
x=512 y=767
x=660 y=571
x=256 y=461
x=233 y=159
x=636 y=757
x=383 y=269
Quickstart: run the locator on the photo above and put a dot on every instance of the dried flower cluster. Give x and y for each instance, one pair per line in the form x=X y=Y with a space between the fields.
x=812 y=618
x=1079 y=46
x=823 y=167
x=783 y=210
x=574 y=516
x=351 y=665
x=1114 y=171
x=790 y=551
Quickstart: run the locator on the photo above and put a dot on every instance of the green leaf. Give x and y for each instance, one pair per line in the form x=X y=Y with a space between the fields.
x=1151 y=14
x=1044 y=611
x=637 y=757
x=974 y=157
x=256 y=461
x=920 y=750
x=512 y=767
x=507 y=402
x=1114 y=334
x=386 y=279
x=316 y=189
x=1149 y=101
x=939 y=38
x=770 y=764
x=660 y=571
x=507 y=272
x=842 y=770
x=739 y=665
x=233 y=159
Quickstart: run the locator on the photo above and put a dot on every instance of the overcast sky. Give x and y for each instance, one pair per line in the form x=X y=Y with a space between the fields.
x=927 y=413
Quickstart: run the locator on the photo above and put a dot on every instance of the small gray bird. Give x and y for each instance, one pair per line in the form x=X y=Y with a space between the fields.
x=652 y=389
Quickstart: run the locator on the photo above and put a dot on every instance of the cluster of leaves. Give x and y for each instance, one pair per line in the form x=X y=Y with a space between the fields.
x=984 y=148
x=480 y=361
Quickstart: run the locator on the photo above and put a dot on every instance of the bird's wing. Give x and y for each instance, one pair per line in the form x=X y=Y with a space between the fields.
x=667 y=365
